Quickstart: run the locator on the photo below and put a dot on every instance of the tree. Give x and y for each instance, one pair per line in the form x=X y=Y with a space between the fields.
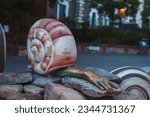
x=108 y=7
x=18 y=15
x=146 y=13
x=132 y=7
x=16 y=9
x=52 y=3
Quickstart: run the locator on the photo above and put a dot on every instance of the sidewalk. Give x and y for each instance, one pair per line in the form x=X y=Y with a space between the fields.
x=104 y=61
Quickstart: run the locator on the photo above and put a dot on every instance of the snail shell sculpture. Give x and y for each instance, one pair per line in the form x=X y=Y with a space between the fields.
x=134 y=80
x=2 y=49
x=50 y=46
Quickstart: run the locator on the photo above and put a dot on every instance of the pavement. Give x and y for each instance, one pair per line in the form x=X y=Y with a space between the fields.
x=104 y=61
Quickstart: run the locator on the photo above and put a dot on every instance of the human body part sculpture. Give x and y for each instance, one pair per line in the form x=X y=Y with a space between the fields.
x=99 y=82
x=87 y=88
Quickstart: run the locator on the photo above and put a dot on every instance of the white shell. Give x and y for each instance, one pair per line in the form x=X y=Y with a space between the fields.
x=50 y=46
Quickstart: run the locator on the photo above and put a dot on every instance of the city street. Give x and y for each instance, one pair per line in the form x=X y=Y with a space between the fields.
x=104 y=61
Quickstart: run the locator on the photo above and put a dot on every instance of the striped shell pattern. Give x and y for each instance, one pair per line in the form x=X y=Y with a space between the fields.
x=134 y=80
x=50 y=46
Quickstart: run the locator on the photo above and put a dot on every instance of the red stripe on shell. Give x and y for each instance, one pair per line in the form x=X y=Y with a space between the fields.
x=70 y=60
x=45 y=22
x=50 y=27
x=60 y=33
x=44 y=39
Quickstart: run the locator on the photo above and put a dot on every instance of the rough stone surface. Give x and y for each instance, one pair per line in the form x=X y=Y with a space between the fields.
x=15 y=78
x=25 y=86
x=33 y=89
x=9 y=90
x=59 y=92
x=43 y=80
x=25 y=96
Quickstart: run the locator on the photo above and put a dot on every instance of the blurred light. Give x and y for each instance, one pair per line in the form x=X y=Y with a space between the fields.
x=122 y=11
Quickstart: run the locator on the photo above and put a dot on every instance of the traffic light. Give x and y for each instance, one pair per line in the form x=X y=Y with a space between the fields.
x=122 y=11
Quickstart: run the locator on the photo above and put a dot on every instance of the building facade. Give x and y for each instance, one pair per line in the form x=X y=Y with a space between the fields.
x=78 y=10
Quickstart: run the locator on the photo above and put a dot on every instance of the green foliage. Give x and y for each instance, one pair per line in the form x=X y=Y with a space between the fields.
x=4 y=10
x=18 y=15
x=132 y=7
x=108 y=7
x=70 y=22
x=94 y=3
x=131 y=38
x=108 y=35
x=146 y=13
x=16 y=11
x=52 y=3
x=21 y=10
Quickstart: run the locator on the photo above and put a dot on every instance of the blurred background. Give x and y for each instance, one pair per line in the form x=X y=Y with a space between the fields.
x=98 y=22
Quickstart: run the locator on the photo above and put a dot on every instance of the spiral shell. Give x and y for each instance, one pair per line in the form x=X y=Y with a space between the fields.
x=50 y=46
x=134 y=80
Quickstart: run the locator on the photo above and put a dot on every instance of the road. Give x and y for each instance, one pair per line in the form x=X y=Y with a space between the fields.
x=105 y=61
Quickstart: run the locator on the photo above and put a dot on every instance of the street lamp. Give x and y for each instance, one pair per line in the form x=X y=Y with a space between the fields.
x=122 y=11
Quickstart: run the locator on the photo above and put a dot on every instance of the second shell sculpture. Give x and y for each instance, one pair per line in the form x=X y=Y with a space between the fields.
x=50 y=46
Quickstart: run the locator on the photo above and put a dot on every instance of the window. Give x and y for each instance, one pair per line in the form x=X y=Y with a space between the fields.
x=93 y=24
x=94 y=18
x=62 y=9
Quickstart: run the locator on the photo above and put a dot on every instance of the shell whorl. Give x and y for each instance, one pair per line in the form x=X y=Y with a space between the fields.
x=50 y=46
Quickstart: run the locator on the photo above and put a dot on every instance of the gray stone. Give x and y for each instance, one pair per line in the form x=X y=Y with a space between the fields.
x=15 y=78
x=25 y=96
x=59 y=92
x=9 y=90
x=33 y=89
x=40 y=80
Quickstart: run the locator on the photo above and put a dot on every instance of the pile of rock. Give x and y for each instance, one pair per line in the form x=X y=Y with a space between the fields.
x=28 y=86
x=22 y=86
x=17 y=86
